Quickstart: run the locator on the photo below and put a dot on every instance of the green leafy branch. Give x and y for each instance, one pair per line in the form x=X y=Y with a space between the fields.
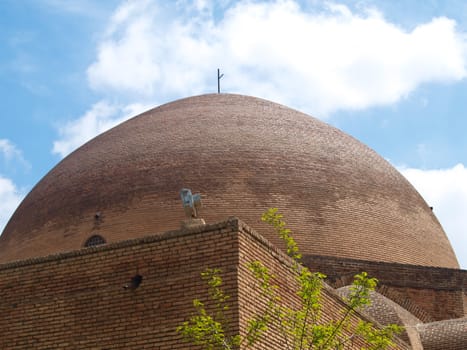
x=302 y=327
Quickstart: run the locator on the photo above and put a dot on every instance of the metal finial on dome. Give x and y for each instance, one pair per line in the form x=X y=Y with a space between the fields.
x=219 y=77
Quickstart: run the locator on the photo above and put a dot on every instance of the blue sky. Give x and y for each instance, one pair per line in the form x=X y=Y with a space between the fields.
x=390 y=73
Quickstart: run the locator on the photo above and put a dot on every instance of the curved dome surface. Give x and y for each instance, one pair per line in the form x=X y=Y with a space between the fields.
x=385 y=311
x=243 y=155
x=447 y=334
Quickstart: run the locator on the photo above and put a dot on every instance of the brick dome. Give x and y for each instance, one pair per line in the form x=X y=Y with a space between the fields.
x=243 y=155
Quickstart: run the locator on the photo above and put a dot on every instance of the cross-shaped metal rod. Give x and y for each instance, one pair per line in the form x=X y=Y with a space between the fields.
x=219 y=77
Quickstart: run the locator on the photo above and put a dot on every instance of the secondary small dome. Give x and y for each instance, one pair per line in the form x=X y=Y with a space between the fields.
x=243 y=155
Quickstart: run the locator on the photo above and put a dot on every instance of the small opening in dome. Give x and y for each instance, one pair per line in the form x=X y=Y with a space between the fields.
x=94 y=240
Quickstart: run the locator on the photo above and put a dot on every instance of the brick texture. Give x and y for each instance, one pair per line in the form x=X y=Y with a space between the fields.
x=243 y=155
x=446 y=335
x=255 y=247
x=430 y=293
x=75 y=300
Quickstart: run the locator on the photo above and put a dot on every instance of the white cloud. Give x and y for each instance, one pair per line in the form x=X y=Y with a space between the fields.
x=9 y=150
x=10 y=197
x=446 y=191
x=10 y=153
x=317 y=61
x=101 y=117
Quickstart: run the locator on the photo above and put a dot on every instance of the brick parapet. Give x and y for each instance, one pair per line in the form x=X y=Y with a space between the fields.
x=230 y=225
x=430 y=293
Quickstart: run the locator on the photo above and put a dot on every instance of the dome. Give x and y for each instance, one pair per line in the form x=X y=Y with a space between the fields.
x=447 y=334
x=385 y=312
x=243 y=155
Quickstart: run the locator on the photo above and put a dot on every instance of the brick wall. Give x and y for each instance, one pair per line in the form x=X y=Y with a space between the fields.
x=430 y=293
x=254 y=247
x=76 y=300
